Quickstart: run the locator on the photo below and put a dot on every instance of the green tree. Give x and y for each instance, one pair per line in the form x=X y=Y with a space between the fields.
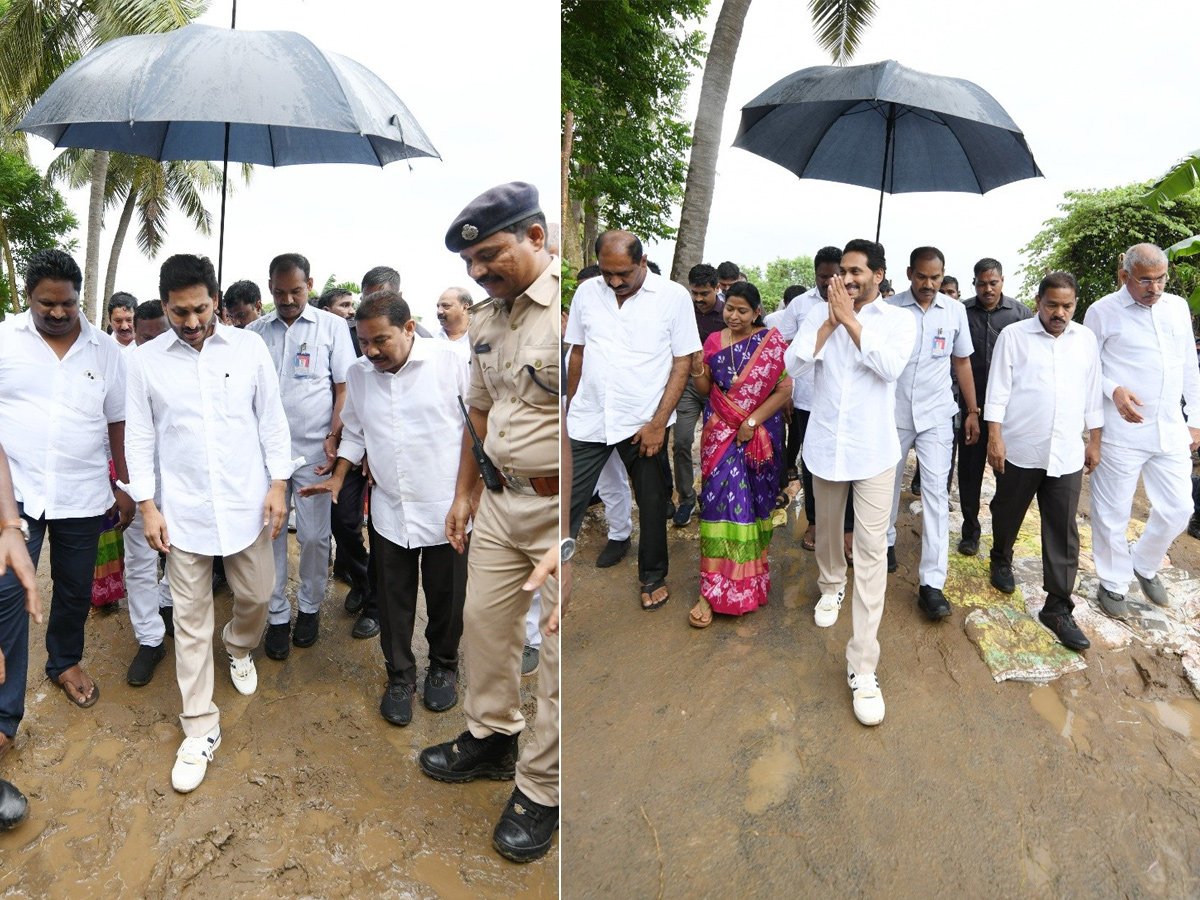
x=33 y=216
x=625 y=66
x=839 y=26
x=1096 y=227
x=1181 y=179
x=780 y=274
x=331 y=282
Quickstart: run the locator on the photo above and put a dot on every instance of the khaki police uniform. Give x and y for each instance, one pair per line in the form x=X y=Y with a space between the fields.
x=511 y=352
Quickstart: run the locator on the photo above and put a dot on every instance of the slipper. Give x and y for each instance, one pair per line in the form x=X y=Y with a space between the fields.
x=793 y=474
x=648 y=591
x=700 y=621
x=83 y=703
x=809 y=543
x=782 y=500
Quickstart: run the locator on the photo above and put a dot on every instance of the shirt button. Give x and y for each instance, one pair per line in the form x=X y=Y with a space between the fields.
x=514 y=399
x=508 y=365
x=537 y=364
x=513 y=326
x=501 y=434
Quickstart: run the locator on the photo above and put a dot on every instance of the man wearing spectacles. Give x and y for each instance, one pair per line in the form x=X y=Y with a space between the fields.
x=1148 y=361
x=989 y=312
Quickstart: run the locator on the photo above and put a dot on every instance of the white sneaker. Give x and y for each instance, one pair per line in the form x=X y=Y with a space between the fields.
x=868 y=698
x=243 y=673
x=192 y=759
x=826 y=612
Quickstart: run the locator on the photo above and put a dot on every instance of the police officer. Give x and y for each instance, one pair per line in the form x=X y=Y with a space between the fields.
x=514 y=403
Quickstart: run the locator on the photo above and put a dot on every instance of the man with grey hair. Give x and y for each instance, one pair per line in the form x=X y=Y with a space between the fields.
x=1148 y=363
x=454 y=314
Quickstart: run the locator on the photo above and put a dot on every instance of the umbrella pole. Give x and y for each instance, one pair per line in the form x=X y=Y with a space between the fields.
x=887 y=147
x=221 y=239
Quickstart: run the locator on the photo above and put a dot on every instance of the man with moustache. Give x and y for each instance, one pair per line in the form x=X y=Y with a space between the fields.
x=925 y=408
x=243 y=303
x=949 y=286
x=121 y=308
x=454 y=314
x=513 y=402
x=199 y=395
x=1043 y=391
x=338 y=301
x=1148 y=357
x=385 y=278
x=858 y=346
x=989 y=312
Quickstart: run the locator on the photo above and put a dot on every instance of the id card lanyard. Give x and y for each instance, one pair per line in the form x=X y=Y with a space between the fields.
x=301 y=368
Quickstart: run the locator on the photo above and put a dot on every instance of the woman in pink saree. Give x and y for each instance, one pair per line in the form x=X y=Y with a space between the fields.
x=740 y=457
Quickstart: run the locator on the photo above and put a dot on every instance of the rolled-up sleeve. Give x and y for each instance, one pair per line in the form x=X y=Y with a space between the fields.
x=139 y=433
x=999 y=379
x=273 y=433
x=685 y=334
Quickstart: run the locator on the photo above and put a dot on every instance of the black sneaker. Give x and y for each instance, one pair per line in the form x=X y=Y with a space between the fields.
x=1002 y=578
x=892 y=564
x=440 y=692
x=1065 y=628
x=933 y=602
x=396 y=705
x=167 y=614
x=613 y=553
x=141 y=670
x=13 y=805
x=526 y=829
x=278 y=643
x=968 y=547
x=308 y=626
x=355 y=600
x=467 y=757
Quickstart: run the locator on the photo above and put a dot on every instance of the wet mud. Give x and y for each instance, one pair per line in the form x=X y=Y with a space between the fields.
x=727 y=762
x=311 y=793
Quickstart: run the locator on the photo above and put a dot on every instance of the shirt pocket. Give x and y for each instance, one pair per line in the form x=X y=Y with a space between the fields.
x=237 y=394
x=537 y=374
x=85 y=395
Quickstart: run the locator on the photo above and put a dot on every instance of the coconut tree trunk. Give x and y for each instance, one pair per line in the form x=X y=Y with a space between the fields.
x=92 y=307
x=706 y=138
x=114 y=255
x=14 y=292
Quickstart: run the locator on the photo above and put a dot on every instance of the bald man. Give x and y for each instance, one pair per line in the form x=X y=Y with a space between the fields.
x=454 y=314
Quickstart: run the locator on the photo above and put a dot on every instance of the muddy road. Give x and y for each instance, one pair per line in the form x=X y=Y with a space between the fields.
x=311 y=793
x=728 y=763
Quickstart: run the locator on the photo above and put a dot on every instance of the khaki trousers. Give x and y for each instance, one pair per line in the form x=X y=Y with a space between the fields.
x=512 y=532
x=872 y=511
x=251 y=575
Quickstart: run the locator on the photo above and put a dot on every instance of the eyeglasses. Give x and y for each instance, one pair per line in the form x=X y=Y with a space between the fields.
x=1160 y=281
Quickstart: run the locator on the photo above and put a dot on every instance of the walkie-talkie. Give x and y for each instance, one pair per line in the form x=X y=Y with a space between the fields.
x=491 y=478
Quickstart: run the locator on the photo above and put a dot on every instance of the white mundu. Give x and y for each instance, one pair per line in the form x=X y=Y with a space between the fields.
x=1149 y=351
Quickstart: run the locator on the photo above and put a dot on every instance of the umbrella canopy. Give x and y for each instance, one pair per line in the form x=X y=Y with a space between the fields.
x=888 y=127
x=169 y=96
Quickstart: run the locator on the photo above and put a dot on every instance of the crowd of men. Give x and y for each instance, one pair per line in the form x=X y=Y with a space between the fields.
x=988 y=380
x=218 y=422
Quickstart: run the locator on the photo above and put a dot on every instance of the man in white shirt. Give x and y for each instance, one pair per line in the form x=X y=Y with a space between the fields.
x=632 y=335
x=121 y=307
x=149 y=598
x=1148 y=357
x=925 y=408
x=454 y=314
x=1043 y=390
x=311 y=351
x=62 y=395
x=200 y=395
x=858 y=345
x=402 y=411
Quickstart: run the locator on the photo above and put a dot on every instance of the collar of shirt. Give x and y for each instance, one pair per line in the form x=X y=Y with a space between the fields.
x=88 y=333
x=907 y=298
x=544 y=289
x=220 y=334
x=308 y=314
x=1005 y=302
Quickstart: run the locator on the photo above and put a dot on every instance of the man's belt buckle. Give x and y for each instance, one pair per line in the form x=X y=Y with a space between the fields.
x=546 y=486
x=518 y=484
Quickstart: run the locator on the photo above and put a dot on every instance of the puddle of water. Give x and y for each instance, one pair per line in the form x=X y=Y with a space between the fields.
x=1181 y=716
x=771 y=777
x=1046 y=703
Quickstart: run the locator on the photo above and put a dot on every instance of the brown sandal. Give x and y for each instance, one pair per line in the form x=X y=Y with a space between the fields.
x=83 y=700
x=700 y=621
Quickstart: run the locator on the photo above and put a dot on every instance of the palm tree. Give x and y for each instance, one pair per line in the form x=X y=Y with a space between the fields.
x=39 y=39
x=839 y=26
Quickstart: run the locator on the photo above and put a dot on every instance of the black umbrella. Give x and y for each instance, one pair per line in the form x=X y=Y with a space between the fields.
x=889 y=127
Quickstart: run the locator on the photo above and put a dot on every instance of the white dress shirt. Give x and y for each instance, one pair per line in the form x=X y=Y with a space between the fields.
x=851 y=432
x=924 y=398
x=215 y=421
x=464 y=338
x=787 y=321
x=54 y=417
x=310 y=357
x=628 y=354
x=1149 y=351
x=1045 y=391
x=410 y=427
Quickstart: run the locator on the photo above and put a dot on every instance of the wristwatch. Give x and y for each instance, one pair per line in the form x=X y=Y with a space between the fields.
x=19 y=524
x=752 y=423
x=567 y=547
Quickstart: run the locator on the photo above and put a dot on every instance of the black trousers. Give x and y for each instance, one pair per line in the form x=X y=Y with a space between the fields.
x=1058 y=500
x=443 y=576
x=795 y=434
x=972 y=458
x=810 y=504
x=650 y=489
x=346 y=521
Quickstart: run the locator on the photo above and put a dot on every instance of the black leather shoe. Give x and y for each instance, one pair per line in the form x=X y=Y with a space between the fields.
x=968 y=547
x=340 y=573
x=525 y=830
x=892 y=564
x=308 y=626
x=1065 y=628
x=440 y=692
x=365 y=627
x=219 y=580
x=396 y=705
x=932 y=602
x=613 y=553
x=355 y=600
x=167 y=614
x=467 y=757
x=13 y=805
x=1002 y=578
x=141 y=670
x=278 y=644
x=1193 y=528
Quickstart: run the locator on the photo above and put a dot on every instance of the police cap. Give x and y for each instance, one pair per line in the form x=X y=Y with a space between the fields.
x=491 y=211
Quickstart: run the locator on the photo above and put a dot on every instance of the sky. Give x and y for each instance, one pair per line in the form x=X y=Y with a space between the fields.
x=1104 y=93
x=480 y=77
